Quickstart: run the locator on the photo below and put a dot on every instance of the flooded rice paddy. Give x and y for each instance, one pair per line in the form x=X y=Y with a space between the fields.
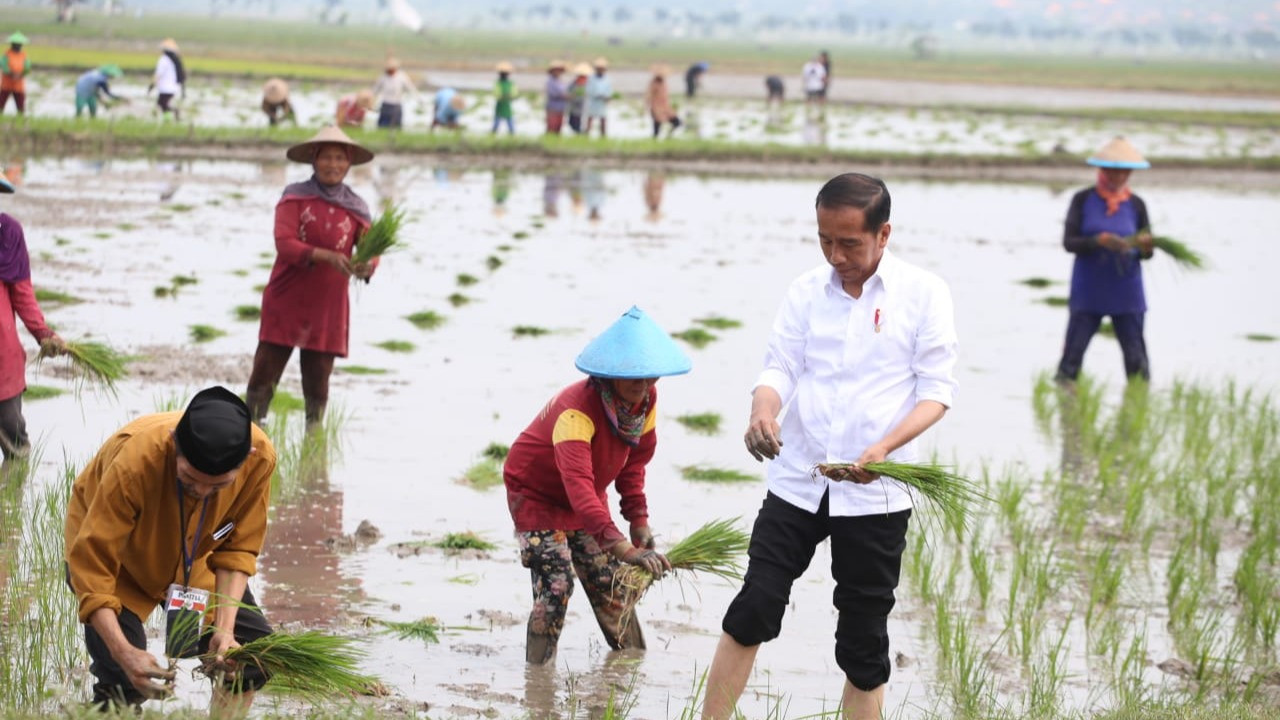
x=567 y=250
x=878 y=128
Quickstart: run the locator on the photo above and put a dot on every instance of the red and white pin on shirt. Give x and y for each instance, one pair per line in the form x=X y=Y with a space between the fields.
x=877 y=320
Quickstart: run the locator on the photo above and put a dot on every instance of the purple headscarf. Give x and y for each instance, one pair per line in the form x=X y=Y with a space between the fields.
x=15 y=264
x=340 y=195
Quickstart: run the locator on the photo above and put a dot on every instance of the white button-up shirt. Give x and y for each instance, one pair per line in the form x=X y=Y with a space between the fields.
x=166 y=76
x=844 y=385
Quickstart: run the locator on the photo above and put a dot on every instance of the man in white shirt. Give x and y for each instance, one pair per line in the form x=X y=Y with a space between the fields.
x=814 y=75
x=862 y=355
x=391 y=88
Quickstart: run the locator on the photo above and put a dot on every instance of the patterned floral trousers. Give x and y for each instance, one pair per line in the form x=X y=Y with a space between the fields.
x=551 y=555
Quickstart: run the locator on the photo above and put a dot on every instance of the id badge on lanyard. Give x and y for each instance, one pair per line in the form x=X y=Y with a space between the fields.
x=184 y=605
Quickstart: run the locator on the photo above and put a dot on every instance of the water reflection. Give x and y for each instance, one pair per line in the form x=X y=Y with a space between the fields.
x=301 y=569
x=594 y=192
x=815 y=129
x=500 y=190
x=654 y=183
x=552 y=187
x=587 y=694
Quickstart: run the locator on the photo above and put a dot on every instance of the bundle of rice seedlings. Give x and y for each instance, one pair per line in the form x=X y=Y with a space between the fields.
x=1176 y=249
x=427 y=630
x=310 y=664
x=953 y=495
x=715 y=548
x=94 y=362
x=382 y=237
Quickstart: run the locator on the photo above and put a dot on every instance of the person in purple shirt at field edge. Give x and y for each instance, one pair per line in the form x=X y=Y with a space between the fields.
x=1109 y=232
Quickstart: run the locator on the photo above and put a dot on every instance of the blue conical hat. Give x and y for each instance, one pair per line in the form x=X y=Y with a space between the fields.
x=1120 y=154
x=634 y=347
x=5 y=185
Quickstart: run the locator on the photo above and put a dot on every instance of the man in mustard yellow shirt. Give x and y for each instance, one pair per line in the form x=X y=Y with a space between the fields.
x=173 y=507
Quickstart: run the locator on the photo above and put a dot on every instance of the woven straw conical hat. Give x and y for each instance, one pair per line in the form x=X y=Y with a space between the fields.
x=169 y=44
x=329 y=134
x=275 y=90
x=1119 y=153
x=632 y=348
x=582 y=69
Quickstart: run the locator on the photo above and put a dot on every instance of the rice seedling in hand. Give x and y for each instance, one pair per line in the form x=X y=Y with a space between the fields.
x=92 y=362
x=716 y=548
x=953 y=495
x=1176 y=249
x=383 y=236
x=310 y=664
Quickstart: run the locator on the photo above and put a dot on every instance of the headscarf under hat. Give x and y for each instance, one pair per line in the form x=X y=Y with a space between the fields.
x=215 y=434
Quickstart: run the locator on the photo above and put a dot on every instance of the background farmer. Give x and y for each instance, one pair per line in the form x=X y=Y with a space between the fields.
x=17 y=297
x=862 y=353
x=352 y=109
x=1106 y=278
x=305 y=303
x=93 y=82
x=449 y=105
x=658 y=100
x=557 y=97
x=578 y=96
x=595 y=433
x=170 y=78
x=390 y=89
x=14 y=67
x=275 y=102
x=170 y=499
x=504 y=93
x=599 y=93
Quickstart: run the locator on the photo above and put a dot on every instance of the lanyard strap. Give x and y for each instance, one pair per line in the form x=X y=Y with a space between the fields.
x=188 y=556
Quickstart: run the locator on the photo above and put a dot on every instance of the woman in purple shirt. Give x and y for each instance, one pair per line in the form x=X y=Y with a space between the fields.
x=1109 y=232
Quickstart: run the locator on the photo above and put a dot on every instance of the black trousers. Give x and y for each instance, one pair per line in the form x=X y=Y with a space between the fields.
x=112 y=686
x=13 y=428
x=1081 y=327
x=866 y=557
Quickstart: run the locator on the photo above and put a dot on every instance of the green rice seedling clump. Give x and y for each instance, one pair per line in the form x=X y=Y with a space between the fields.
x=707 y=423
x=383 y=236
x=360 y=370
x=716 y=549
x=1056 y=301
x=183 y=280
x=529 y=331
x=715 y=322
x=458 y=299
x=205 y=333
x=465 y=279
x=247 y=313
x=426 y=319
x=95 y=363
x=1260 y=337
x=398 y=346
x=493 y=262
x=310 y=664
x=703 y=473
x=497 y=451
x=45 y=296
x=1036 y=282
x=696 y=337
x=485 y=474
x=1180 y=252
x=41 y=392
x=426 y=630
x=466 y=540
x=956 y=497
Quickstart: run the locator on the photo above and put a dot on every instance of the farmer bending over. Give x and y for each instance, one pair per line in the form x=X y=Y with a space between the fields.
x=863 y=350
x=171 y=509
x=595 y=433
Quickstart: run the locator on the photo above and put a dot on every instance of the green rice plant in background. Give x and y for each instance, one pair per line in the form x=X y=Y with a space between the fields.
x=1036 y=282
x=496 y=451
x=178 y=281
x=45 y=296
x=1261 y=337
x=466 y=540
x=529 y=331
x=426 y=630
x=484 y=474
x=705 y=473
x=464 y=279
x=707 y=423
x=1055 y=301
x=696 y=337
x=715 y=322
x=360 y=370
x=493 y=262
x=41 y=392
x=205 y=333
x=426 y=319
x=247 y=313
x=458 y=299
x=396 y=346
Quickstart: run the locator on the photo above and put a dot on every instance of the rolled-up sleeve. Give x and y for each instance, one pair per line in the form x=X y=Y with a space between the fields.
x=93 y=557
x=240 y=550
x=784 y=356
x=937 y=349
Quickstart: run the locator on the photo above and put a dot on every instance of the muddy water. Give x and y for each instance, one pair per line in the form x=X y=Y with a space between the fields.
x=682 y=247
x=913 y=130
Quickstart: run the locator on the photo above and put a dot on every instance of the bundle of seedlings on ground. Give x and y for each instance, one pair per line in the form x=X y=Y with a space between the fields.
x=382 y=237
x=715 y=548
x=1176 y=249
x=427 y=630
x=94 y=362
x=310 y=664
x=954 y=496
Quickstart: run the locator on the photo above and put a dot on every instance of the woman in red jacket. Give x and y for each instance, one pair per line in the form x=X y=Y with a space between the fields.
x=17 y=297
x=594 y=433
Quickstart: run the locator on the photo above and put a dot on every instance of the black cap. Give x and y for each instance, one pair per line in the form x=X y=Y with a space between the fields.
x=215 y=434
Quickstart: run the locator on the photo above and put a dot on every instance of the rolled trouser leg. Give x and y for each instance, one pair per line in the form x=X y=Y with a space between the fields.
x=866 y=559
x=613 y=605
x=268 y=365
x=546 y=554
